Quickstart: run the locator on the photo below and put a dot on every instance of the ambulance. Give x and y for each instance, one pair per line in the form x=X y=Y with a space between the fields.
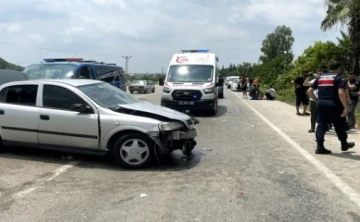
x=191 y=82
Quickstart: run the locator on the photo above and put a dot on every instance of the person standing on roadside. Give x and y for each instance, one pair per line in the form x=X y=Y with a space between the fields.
x=354 y=87
x=313 y=111
x=332 y=107
x=300 y=93
x=244 y=86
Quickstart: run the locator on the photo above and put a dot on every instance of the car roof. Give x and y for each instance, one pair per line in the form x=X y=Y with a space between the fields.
x=72 y=82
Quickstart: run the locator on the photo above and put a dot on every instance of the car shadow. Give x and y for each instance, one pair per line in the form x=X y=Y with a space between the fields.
x=170 y=162
x=222 y=110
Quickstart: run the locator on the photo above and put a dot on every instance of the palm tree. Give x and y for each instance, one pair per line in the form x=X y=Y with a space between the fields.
x=345 y=45
x=345 y=13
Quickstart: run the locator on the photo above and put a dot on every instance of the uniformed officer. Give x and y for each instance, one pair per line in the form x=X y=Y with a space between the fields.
x=332 y=107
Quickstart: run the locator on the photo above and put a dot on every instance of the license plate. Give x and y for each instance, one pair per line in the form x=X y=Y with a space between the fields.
x=186 y=103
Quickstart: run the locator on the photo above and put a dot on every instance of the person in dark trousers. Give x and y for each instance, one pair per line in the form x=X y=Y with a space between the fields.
x=332 y=107
x=313 y=111
x=244 y=83
x=300 y=93
x=354 y=87
x=255 y=92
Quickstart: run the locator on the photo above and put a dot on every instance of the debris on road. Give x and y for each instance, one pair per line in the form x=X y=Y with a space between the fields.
x=281 y=172
x=143 y=195
x=253 y=126
x=241 y=192
x=207 y=149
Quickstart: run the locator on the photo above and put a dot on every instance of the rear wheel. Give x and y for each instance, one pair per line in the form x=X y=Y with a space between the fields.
x=133 y=151
x=131 y=92
x=153 y=90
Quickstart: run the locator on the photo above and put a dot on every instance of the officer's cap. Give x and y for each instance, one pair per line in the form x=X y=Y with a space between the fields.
x=335 y=65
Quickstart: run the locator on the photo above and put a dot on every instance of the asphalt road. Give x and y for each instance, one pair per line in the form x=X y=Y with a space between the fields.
x=247 y=166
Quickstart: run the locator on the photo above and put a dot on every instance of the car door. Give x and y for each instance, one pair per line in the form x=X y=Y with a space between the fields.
x=60 y=126
x=18 y=113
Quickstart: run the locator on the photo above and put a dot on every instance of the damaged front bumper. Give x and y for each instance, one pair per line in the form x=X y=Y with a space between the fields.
x=176 y=140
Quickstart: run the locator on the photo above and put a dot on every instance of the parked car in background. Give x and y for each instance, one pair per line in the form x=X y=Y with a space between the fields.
x=78 y=68
x=142 y=86
x=90 y=116
x=230 y=80
x=234 y=85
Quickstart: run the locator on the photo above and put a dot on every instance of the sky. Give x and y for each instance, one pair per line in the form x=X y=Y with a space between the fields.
x=151 y=31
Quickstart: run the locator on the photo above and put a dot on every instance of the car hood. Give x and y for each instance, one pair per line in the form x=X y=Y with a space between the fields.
x=161 y=113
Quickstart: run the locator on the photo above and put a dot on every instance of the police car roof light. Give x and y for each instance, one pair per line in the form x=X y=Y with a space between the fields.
x=64 y=60
x=195 y=51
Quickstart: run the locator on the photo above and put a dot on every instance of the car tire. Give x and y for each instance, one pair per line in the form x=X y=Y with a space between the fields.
x=1 y=146
x=131 y=92
x=153 y=90
x=138 y=146
x=213 y=111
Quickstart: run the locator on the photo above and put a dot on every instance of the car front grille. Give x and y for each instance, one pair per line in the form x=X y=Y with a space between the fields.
x=186 y=95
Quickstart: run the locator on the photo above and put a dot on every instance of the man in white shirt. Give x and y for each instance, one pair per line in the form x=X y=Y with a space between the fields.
x=270 y=93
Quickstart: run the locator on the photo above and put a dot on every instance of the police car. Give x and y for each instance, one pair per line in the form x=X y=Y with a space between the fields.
x=77 y=68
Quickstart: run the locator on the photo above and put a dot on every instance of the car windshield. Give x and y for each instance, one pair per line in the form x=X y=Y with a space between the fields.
x=233 y=79
x=138 y=82
x=190 y=73
x=50 y=71
x=106 y=95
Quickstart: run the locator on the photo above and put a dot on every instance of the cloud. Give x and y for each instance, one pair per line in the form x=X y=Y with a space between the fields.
x=151 y=30
x=37 y=38
x=15 y=27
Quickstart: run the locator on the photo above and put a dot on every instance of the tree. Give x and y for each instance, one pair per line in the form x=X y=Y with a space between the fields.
x=345 y=13
x=278 y=44
x=6 y=65
x=345 y=45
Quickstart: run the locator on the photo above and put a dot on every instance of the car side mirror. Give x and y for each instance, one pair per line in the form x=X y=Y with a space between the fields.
x=81 y=108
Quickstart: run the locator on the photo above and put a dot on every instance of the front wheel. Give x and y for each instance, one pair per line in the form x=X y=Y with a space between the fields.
x=153 y=90
x=214 y=109
x=1 y=146
x=131 y=92
x=133 y=151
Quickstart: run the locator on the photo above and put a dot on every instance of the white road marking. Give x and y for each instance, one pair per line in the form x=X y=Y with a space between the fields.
x=56 y=173
x=337 y=181
x=62 y=169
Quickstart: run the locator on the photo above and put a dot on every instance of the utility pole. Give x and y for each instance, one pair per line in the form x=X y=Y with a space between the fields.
x=127 y=63
x=162 y=70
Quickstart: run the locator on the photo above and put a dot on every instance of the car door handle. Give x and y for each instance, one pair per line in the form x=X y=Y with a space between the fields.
x=2 y=112
x=44 y=117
